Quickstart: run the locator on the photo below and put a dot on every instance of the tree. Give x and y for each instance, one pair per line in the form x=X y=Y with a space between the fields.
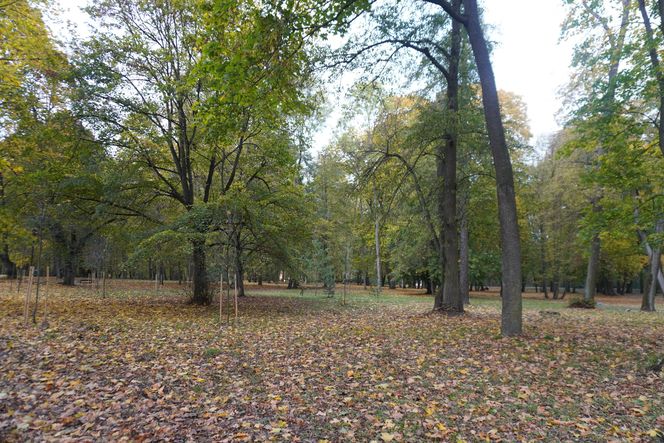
x=194 y=115
x=31 y=68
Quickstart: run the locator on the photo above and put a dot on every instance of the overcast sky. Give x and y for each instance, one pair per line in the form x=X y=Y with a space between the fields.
x=527 y=58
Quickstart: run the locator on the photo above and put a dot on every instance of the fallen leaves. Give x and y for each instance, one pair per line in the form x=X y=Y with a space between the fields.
x=307 y=370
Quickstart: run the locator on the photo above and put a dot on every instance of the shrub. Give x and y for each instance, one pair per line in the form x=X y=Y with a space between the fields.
x=578 y=302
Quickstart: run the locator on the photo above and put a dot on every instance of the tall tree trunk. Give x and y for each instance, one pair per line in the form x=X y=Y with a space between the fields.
x=617 y=43
x=654 y=61
x=511 y=317
x=590 y=289
x=543 y=259
x=202 y=295
x=379 y=280
x=70 y=261
x=8 y=265
x=239 y=271
x=452 y=300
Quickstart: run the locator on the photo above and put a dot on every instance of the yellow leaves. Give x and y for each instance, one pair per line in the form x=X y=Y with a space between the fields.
x=386 y=436
x=350 y=373
x=655 y=433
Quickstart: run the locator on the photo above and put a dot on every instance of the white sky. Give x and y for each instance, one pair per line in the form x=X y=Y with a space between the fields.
x=527 y=58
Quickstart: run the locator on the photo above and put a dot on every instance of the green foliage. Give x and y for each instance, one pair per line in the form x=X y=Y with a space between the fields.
x=579 y=302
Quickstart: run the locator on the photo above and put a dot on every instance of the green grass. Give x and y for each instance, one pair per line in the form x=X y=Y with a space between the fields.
x=359 y=299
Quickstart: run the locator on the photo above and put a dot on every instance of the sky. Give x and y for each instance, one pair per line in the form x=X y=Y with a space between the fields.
x=527 y=58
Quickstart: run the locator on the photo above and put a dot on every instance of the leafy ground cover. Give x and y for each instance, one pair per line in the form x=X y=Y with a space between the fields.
x=301 y=367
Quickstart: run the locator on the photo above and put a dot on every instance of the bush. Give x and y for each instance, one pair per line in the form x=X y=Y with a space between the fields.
x=578 y=302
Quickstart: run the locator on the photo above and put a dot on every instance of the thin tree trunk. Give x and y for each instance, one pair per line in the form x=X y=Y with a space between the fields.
x=239 y=267
x=379 y=280
x=511 y=316
x=464 y=262
x=39 y=264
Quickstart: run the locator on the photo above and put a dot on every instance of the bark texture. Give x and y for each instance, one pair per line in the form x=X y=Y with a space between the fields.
x=511 y=317
x=201 y=295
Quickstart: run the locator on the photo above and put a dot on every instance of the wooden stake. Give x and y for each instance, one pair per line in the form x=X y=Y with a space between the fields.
x=28 y=294
x=228 y=296
x=221 y=296
x=46 y=295
x=235 y=296
x=103 y=284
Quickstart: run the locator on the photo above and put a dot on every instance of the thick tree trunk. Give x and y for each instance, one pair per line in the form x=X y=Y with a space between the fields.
x=239 y=269
x=590 y=289
x=70 y=267
x=511 y=317
x=201 y=295
x=452 y=300
x=8 y=266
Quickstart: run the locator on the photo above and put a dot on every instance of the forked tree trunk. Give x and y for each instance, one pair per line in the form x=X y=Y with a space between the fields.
x=648 y=303
x=511 y=316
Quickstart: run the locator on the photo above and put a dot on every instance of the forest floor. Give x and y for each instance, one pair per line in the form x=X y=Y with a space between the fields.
x=141 y=365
